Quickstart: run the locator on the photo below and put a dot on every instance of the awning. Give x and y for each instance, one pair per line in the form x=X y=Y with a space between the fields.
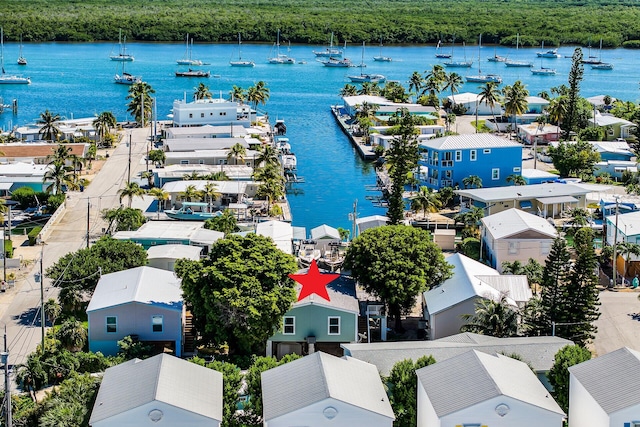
x=5 y=185
x=526 y=204
x=557 y=199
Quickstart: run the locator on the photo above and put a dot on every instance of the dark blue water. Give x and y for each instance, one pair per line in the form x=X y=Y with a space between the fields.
x=76 y=80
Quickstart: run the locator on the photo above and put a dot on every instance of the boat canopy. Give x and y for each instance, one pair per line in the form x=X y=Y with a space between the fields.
x=201 y=204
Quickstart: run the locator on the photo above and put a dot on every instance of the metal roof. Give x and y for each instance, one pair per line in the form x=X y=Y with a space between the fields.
x=146 y=285
x=174 y=251
x=324 y=231
x=475 y=377
x=206 y=154
x=539 y=352
x=556 y=199
x=171 y=230
x=513 y=221
x=613 y=380
x=279 y=231
x=197 y=144
x=469 y=141
x=162 y=378
x=341 y=291
x=224 y=187
x=319 y=376
x=515 y=287
x=525 y=192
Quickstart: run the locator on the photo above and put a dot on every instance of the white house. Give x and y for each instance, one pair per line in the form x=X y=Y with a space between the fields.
x=206 y=131
x=153 y=233
x=472 y=102
x=198 y=144
x=164 y=257
x=478 y=389
x=280 y=232
x=322 y=390
x=604 y=392
x=162 y=390
x=212 y=112
x=367 y=222
x=444 y=305
x=516 y=235
x=230 y=191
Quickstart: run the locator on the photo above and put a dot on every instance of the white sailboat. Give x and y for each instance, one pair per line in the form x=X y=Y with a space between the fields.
x=125 y=78
x=21 y=59
x=5 y=78
x=480 y=77
x=366 y=78
x=543 y=71
x=331 y=51
x=280 y=58
x=381 y=57
x=241 y=62
x=122 y=55
x=440 y=54
x=516 y=63
x=187 y=60
x=458 y=64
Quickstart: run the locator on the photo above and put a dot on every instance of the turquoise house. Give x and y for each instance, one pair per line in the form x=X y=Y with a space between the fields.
x=316 y=324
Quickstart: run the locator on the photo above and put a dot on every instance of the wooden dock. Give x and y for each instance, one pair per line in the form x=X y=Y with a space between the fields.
x=365 y=151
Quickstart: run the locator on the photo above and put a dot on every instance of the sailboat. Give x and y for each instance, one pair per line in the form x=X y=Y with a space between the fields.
x=592 y=59
x=366 y=78
x=329 y=52
x=187 y=60
x=381 y=57
x=122 y=55
x=125 y=78
x=543 y=71
x=21 y=59
x=240 y=62
x=483 y=78
x=280 y=58
x=496 y=57
x=9 y=78
x=458 y=64
x=440 y=54
x=552 y=53
x=514 y=63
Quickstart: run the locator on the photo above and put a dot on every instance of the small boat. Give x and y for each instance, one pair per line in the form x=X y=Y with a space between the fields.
x=458 y=64
x=553 y=53
x=21 y=59
x=330 y=51
x=280 y=58
x=514 y=63
x=122 y=55
x=282 y=145
x=483 y=78
x=368 y=78
x=187 y=60
x=592 y=59
x=193 y=73
x=126 y=79
x=9 y=79
x=308 y=253
x=288 y=161
x=542 y=71
x=602 y=66
x=439 y=54
x=496 y=57
x=240 y=62
x=381 y=57
x=338 y=62
x=192 y=211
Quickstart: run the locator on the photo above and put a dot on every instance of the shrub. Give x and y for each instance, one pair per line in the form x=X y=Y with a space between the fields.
x=8 y=248
x=24 y=196
x=33 y=236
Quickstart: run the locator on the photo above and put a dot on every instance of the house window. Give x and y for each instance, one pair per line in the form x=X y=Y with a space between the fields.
x=202 y=115
x=495 y=174
x=289 y=325
x=545 y=248
x=458 y=156
x=201 y=161
x=474 y=155
x=487 y=151
x=184 y=162
x=222 y=162
x=112 y=324
x=157 y=323
x=334 y=326
x=517 y=169
x=513 y=247
x=191 y=115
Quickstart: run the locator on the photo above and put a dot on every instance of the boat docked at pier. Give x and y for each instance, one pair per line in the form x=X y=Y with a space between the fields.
x=192 y=211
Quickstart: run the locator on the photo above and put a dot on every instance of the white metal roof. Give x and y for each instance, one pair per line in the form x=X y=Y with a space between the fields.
x=279 y=231
x=319 y=376
x=537 y=173
x=537 y=100
x=464 y=97
x=515 y=286
x=164 y=378
x=608 y=120
x=475 y=377
x=372 y=221
x=224 y=187
x=205 y=130
x=612 y=379
x=205 y=154
x=352 y=101
x=324 y=231
x=628 y=223
x=513 y=221
x=524 y=192
x=198 y=144
x=174 y=252
x=145 y=285
x=171 y=230
x=468 y=141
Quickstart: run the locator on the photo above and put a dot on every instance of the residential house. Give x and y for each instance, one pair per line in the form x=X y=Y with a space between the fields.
x=153 y=233
x=367 y=222
x=536 y=104
x=143 y=302
x=199 y=144
x=177 y=172
x=624 y=228
x=38 y=152
x=615 y=168
x=538 y=352
x=205 y=131
x=214 y=112
x=164 y=257
x=473 y=104
x=385 y=108
x=230 y=191
x=536 y=107
x=69 y=130
x=516 y=235
x=603 y=392
x=162 y=390
x=280 y=232
x=538 y=133
x=478 y=389
x=615 y=127
x=598 y=101
x=450 y=159
x=537 y=176
x=322 y=390
x=206 y=157
x=444 y=305
x=314 y=323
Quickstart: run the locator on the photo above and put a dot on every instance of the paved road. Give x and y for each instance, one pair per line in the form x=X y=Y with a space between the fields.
x=19 y=307
x=616 y=326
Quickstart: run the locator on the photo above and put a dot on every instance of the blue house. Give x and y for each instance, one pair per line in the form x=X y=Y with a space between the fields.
x=445 y=162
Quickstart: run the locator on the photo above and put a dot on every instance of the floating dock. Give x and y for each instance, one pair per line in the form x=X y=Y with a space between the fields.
x=365 y=151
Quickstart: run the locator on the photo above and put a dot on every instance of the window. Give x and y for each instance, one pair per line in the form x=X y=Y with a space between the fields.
x=334 y=326
x=545 y=248
x=289 y=325
x=517 y=169
x=201 y=161
x=222 y=162
x=191 y=115
x=202 y=115
x=513 y=247
x=487 y=151
x=184 y=162
x=156 y=323
x=474 y=155
x=458 y=156
x=495 y=173
x=112 y=324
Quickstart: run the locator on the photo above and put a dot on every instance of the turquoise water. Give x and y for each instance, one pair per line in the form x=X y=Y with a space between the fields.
x=76 y=80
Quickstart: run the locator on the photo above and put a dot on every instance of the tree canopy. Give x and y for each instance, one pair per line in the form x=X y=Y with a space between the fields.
x=565 y=358
x=402 y=389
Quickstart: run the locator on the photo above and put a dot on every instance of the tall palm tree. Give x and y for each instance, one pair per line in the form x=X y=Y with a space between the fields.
x=258 y=94
x=72 y=335
x=516 y=179
x=493 y=318
x=453 y=82
x=472 y=181
x=161 y=197
x=217 y=176
x=426 y=200
x=49 y=129
x=237 y=152
x=557 y=110
x=238 y=94
x=490 y=96
x=61 y=155
x=190 y=193
x=267 y=155
x=103 y=123
x=130 y=191
x=369 y=88
x=415 y=83
x=202 y=92
x=435 y=79
x=349 y=90
x=193 y=176
x=141 y=103
x=211 y=193
x=515 y=100
x=60 y=176
x=149 y=176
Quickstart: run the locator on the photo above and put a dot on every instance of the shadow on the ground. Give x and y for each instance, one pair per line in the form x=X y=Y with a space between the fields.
x=29 y=317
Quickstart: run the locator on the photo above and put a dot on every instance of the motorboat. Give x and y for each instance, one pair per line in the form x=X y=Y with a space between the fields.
x=553 y=53
x=192 y=211
x=122 y=54
x=193 y=73
x=368 y=78
x=187 y=60
x=602 y=66
x=308 y=253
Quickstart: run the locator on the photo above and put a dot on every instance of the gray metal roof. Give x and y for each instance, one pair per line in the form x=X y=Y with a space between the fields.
x=513 y=221
x=613 y=380
x=171 y=230
x=470 y=141
x=314 y=378
x=524 y=192
x=342 y=293
x=474 y=377
x=198 y=144
x=537 y=351
x=162 y=378
x=145 y=285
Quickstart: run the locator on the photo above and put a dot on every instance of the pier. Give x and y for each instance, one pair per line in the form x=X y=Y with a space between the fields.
x=365 y=151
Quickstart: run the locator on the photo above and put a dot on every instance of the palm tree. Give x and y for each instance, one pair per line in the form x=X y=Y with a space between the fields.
x=490 y=96
x=557 y=110
x=515 y=100
x=130 y=191
x=140 y=104
x=348 y=90
x=435 y=79
x=61 y=155
x=238 y=94
x=202 y=92
x=161 y=196
x=268 y=155
x=472 y=181
x=515 y=268
x=210 y=192
x=237 y=152
x=72 y=335
x=493 y=318
x=258 y=94
x=149 y=176
x=61 y=176
x=449 y=120
x=52 y=310
x=426 y=200
x=193 y=176
x=217 y=176
x=415 y=83
x=369 y=88
x=471 y=220
x=627 y=250
x=516 y=179
x=48 y=122
x=190 y=193
x=453 y=82
x=103 y=123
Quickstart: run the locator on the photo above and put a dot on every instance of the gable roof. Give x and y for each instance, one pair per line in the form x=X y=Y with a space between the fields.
x=172 y=230
x=474 y=377
x=146 y=285
x=341 y=291
x=279 y=231
x=163 y=378
x=470 y=141
x=319 y=376
x=539 y=352
x=324 y=231
x=513 y=221
x=612 y=379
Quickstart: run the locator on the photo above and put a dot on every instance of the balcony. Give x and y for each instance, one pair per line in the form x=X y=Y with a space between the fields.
x=447 y=163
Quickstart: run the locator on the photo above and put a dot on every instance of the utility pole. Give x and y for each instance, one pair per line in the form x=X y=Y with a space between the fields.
x=129 y=175
x=88 y=217
x=615 y=242
x=7 y=384
x=42 y=319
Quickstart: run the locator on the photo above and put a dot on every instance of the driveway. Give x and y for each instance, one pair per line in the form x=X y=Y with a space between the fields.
x=617 y=327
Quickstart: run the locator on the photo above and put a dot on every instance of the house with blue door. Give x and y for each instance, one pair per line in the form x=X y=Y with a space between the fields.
x=445 y=162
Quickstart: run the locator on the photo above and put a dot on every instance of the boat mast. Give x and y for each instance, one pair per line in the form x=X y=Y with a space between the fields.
x=2 y=49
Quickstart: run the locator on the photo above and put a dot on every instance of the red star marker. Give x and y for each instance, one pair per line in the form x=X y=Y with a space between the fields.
x=314 y=282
